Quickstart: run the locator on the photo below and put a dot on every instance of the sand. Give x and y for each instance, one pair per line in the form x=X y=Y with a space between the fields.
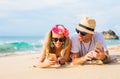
x=21 y=67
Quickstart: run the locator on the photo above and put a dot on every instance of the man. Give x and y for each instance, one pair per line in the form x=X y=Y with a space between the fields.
x=84 y=43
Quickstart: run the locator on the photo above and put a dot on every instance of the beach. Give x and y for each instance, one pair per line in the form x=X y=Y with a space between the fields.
x=21 y=67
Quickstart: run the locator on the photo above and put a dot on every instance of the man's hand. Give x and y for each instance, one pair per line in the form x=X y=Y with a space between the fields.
x=99 y=54
x=89 y=56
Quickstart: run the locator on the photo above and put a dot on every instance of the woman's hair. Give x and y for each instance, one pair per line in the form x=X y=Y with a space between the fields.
x=47 y=43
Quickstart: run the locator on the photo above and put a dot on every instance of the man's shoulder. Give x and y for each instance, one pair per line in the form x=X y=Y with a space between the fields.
x=98 y=34
x=74 y=35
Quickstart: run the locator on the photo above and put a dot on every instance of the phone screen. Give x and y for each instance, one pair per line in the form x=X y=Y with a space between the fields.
x=52 y=57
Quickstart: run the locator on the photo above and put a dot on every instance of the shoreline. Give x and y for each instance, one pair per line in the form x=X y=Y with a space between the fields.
x=110 y=47
x=19 y=53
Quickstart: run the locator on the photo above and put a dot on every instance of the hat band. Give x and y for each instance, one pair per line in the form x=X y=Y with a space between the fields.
x=86 y=27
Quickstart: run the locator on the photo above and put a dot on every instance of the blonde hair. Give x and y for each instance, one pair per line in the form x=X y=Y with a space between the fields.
x=67 y=46
x=47 y=44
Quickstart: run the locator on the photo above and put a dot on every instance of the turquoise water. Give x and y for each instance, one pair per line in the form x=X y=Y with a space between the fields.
x=112 y=42
x=12 y=44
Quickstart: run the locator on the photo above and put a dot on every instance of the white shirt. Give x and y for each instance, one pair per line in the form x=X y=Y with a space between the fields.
x=83 y=48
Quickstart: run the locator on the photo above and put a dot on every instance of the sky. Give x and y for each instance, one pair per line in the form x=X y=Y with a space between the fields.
x=36 y=17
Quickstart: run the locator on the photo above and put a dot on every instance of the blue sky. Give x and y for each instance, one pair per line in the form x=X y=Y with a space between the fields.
x=36 y=17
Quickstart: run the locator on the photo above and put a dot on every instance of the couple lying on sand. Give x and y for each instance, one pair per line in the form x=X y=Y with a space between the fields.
x=85 y=45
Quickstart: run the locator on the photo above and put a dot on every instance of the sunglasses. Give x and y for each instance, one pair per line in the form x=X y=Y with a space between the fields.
x=60 y=39
x=82 y=33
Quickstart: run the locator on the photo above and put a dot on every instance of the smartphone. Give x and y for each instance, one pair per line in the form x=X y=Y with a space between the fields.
x=99 y=46
x=52 y=57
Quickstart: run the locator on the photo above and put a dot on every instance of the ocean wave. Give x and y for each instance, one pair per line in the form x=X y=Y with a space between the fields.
x=19 y=46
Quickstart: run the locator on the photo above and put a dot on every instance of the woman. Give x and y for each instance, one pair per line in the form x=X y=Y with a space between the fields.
x=58 y=44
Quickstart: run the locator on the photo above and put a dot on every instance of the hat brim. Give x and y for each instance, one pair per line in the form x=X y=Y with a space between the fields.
x=83 y=29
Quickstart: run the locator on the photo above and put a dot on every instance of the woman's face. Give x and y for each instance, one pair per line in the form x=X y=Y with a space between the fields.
x=58 y=39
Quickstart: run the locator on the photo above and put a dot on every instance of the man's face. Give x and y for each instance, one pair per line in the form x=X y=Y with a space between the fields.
x=83 y=36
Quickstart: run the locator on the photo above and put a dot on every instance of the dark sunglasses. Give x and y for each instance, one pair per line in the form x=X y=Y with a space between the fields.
x=82 y=33
x=60 y=39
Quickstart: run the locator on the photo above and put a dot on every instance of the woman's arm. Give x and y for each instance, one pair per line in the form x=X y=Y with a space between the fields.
x=43 y=63
x=67 y=51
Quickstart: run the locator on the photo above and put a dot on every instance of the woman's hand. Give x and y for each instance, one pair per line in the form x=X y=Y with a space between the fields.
x=61 y=61
x=49 y=63
x=45 y=64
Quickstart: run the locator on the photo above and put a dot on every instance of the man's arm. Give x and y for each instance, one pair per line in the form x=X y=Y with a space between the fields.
x=76 y=59
x=102 y=55
x=107 y=58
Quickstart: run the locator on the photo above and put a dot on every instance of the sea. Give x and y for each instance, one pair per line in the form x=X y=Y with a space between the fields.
x=20 y=45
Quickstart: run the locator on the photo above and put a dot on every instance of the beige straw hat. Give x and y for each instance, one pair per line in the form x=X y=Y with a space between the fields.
x=86 y=25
